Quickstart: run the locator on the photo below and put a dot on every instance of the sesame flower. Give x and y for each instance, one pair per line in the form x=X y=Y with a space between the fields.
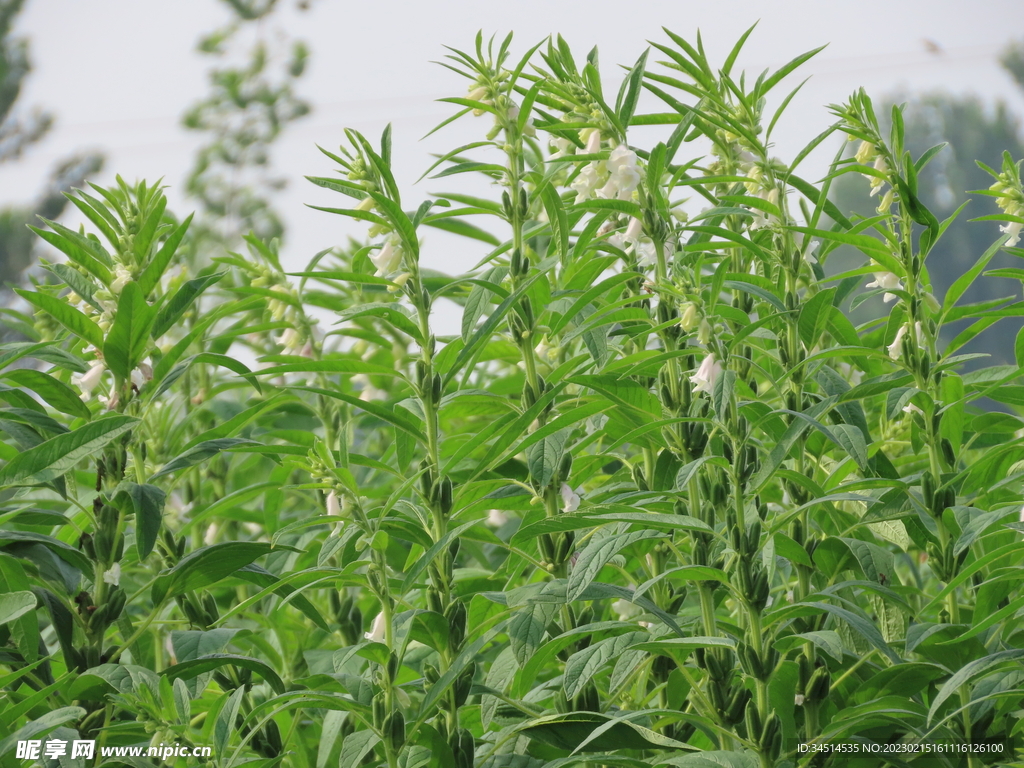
x=689 y=319
x=896 y=348
x=1011 y=228
x=593 y=142
x=89 y=380
x=570 y=499
x=866 y=152
x=112 y=575
x=887 y=281
x=376 y=633
x=388 y=258
x=624 y=174
x=876 y=182
x=586 y=182
x=707 y=374
x=121 y=278
x=496 y=518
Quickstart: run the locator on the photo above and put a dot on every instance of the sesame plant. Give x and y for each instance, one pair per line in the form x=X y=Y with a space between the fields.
x=659 y=503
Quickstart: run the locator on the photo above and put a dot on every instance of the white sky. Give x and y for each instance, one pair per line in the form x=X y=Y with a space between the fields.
x=118 y=75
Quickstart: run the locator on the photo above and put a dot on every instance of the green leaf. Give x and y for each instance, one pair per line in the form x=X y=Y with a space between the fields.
x=200 y=453
x=151 y=275
x=597 y=554
x=814 y=316
x=967 y=673
x=355 y=747
x=128 y=338
x=189 y=669
x=226 y=721
x=40 y=726
x=826 y=639
x=66 y=315
x=58 y=455
x=53 y=391
x=181 y=301
x=14 y=605
x=584 y=664
x=962 y=283
x=544 y=457
x=148 y=503
x=526 y=630
x=206 y=566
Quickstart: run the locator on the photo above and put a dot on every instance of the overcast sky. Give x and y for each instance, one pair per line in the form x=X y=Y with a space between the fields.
x=118 y=74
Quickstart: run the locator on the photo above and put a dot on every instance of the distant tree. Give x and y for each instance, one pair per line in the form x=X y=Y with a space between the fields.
x=18 y=132
x=972 y=130
x=252 y=100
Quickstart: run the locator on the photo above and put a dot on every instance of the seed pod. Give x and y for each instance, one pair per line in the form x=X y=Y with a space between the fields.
x=717 y=695
x=770 y=728
x=565 y=467
x=272 y=739
x=928 y=489
x=456 y=616
x=818 y=686
x=467 y=745
x=947 y=451
x=445 y=495
x=210 y=608
x=379 y=710
x=394 y=729
x=431 y=674
x=737 y=704
x=752 y=720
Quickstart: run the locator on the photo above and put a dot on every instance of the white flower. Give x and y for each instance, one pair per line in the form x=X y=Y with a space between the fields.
x=111 y=400
x=376 y=633
x=291 y=339
x=561 y=146
x=647 y=255
x=1022 y=514
x=211 y=534
x=388 y=258
x=634 y=230
x=896 y=348
x=887 y=281
x=333 y=505
x=366 y=204
x=911 y=408
x=809 y=253
x=399 y=282
x=689 y=318
x=625 y=176
x=707 y=374
x=886 y=203
x=113 y=574
x=1012 y=229
x=89 y=380
x=704 y=331
x=586 y=182
x=624 y=609
x=121 y=278
x=799 y=700
x=850 y=373
x=865 y=152
x=876 y=183
x=570 y=499
x=496 y=518
x=593 y=142
x=754 y=183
